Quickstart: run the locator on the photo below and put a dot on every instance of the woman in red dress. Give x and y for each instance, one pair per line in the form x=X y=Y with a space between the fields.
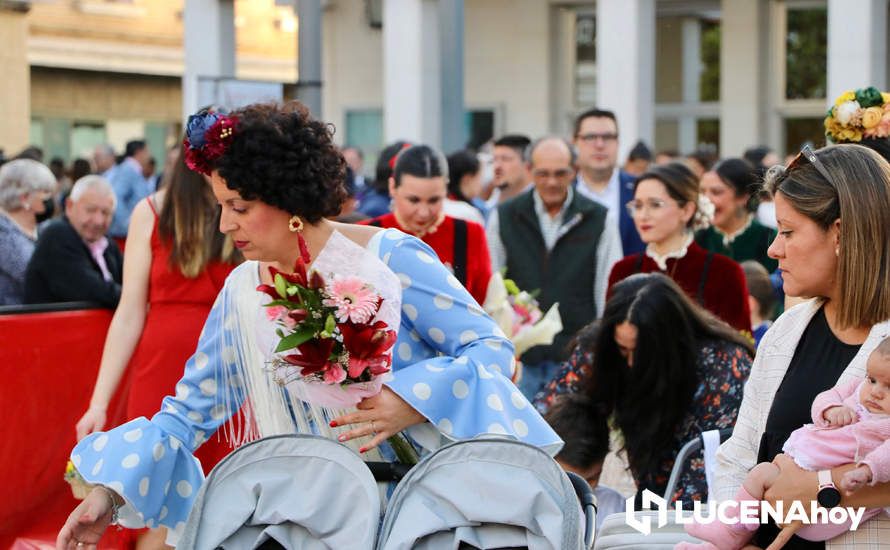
x=418 y=187
x=175 y=264
x=666 y=210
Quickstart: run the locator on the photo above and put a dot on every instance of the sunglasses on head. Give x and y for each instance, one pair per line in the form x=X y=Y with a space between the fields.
x=807 y=154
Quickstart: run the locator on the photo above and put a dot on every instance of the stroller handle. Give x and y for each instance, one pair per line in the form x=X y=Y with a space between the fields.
x=588 y=504
x=686 y=451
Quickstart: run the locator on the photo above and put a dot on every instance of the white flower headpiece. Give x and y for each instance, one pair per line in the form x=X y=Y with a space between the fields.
x=704 y=213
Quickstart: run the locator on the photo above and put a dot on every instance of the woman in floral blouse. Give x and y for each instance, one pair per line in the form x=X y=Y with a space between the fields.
x=666 y=369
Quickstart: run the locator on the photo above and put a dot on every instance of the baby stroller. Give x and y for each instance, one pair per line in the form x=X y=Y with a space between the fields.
x=615 y=532
x=260 y=496
x=484 y=493
x=489 y=492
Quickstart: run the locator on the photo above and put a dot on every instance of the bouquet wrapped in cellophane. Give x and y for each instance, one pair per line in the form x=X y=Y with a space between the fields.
x=330 y=338
x=518 y=314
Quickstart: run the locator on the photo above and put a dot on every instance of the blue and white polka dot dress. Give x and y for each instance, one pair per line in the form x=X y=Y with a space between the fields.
x=450 y=362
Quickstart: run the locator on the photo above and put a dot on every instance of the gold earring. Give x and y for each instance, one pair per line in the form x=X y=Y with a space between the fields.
x=295 y=224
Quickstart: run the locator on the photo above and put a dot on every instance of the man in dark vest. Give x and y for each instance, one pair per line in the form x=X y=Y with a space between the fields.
x=553 y=240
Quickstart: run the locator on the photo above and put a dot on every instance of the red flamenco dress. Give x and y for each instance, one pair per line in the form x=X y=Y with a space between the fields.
x=178 y=307
x=460 y=244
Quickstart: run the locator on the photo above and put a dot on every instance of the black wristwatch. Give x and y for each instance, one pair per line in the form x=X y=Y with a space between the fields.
x=828 y=495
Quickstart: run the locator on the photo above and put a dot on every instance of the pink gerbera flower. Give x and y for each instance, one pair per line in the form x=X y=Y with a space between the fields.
x=352 y=298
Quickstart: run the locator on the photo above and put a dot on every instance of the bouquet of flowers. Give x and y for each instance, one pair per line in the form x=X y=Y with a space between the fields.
x=329 y=338
x=79 y=487
x=518 y=314
x=858 y=114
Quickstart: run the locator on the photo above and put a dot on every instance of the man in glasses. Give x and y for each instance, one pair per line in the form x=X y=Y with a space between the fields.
x=599 y=178
x=554 y=241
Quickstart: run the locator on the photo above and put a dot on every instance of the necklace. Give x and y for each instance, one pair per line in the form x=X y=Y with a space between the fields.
x=428 y=231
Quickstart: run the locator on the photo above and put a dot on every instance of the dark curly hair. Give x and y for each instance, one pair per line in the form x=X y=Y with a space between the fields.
x=282 y=156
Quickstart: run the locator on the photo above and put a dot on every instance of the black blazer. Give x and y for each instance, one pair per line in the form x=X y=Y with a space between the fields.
x=63 y=270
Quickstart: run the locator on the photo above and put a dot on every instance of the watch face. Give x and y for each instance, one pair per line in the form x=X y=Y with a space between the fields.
x=828 y=497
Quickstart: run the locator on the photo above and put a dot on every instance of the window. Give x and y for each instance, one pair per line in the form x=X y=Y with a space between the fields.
x=798 y=76
x=479 y=128
x=800 y=131
x=85 y=136
x=708 y=132
x=364 y=129
x=709 y=83
x=35 y=135
x=585 y=59
x=687 y=82
x=806 y=56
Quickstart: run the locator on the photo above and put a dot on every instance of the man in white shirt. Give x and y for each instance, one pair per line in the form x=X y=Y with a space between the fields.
x=599 y=178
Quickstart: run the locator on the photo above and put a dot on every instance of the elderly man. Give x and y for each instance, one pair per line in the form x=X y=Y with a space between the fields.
x=74 y=261
x=553 y=240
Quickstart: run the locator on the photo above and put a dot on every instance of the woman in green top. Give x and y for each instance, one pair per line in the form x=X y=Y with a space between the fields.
x=731 y=185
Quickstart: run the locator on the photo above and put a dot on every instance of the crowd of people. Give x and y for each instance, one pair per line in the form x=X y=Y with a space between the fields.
x=670 y=274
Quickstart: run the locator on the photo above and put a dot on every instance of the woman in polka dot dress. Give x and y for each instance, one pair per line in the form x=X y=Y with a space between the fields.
x=275 y=171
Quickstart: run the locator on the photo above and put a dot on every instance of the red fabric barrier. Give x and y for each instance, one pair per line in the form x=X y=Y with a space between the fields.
x=49 y=363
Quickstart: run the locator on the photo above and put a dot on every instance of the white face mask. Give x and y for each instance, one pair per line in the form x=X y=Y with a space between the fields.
x=766 y=214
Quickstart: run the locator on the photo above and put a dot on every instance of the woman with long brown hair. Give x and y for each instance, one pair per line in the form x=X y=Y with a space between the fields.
x=175 y=263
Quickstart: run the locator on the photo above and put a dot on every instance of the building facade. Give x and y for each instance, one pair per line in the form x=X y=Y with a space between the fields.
x=108 y=71
x=681 y=74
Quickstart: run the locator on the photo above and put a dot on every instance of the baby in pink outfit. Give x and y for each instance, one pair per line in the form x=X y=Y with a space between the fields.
x=851 y=424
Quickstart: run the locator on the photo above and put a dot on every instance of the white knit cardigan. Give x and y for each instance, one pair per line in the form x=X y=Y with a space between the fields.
x=738 y=454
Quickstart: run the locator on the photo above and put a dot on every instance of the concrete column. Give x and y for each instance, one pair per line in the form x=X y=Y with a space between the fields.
x=742 y=95
x=412 y=104
x=209 y=46
x=692 y=67
x=15 y=86
x=857 y=38
x=309 y=55
x=451 y=38
x=625 y=52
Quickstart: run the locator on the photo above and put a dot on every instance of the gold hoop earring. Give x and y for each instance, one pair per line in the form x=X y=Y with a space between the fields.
x=295 y=224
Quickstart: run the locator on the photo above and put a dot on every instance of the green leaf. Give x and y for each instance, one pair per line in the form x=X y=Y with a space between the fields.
x=280 y=285
x=330 y=324
x=298 y=338
x=512 y=289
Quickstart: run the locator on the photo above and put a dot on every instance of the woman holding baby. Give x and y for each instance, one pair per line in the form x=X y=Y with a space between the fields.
x=832 y=247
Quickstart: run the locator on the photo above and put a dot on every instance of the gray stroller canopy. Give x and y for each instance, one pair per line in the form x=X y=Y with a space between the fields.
x=488 y=492
x=303 y=491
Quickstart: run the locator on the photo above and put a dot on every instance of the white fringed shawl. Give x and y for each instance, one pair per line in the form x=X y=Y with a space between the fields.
x=249 y=338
